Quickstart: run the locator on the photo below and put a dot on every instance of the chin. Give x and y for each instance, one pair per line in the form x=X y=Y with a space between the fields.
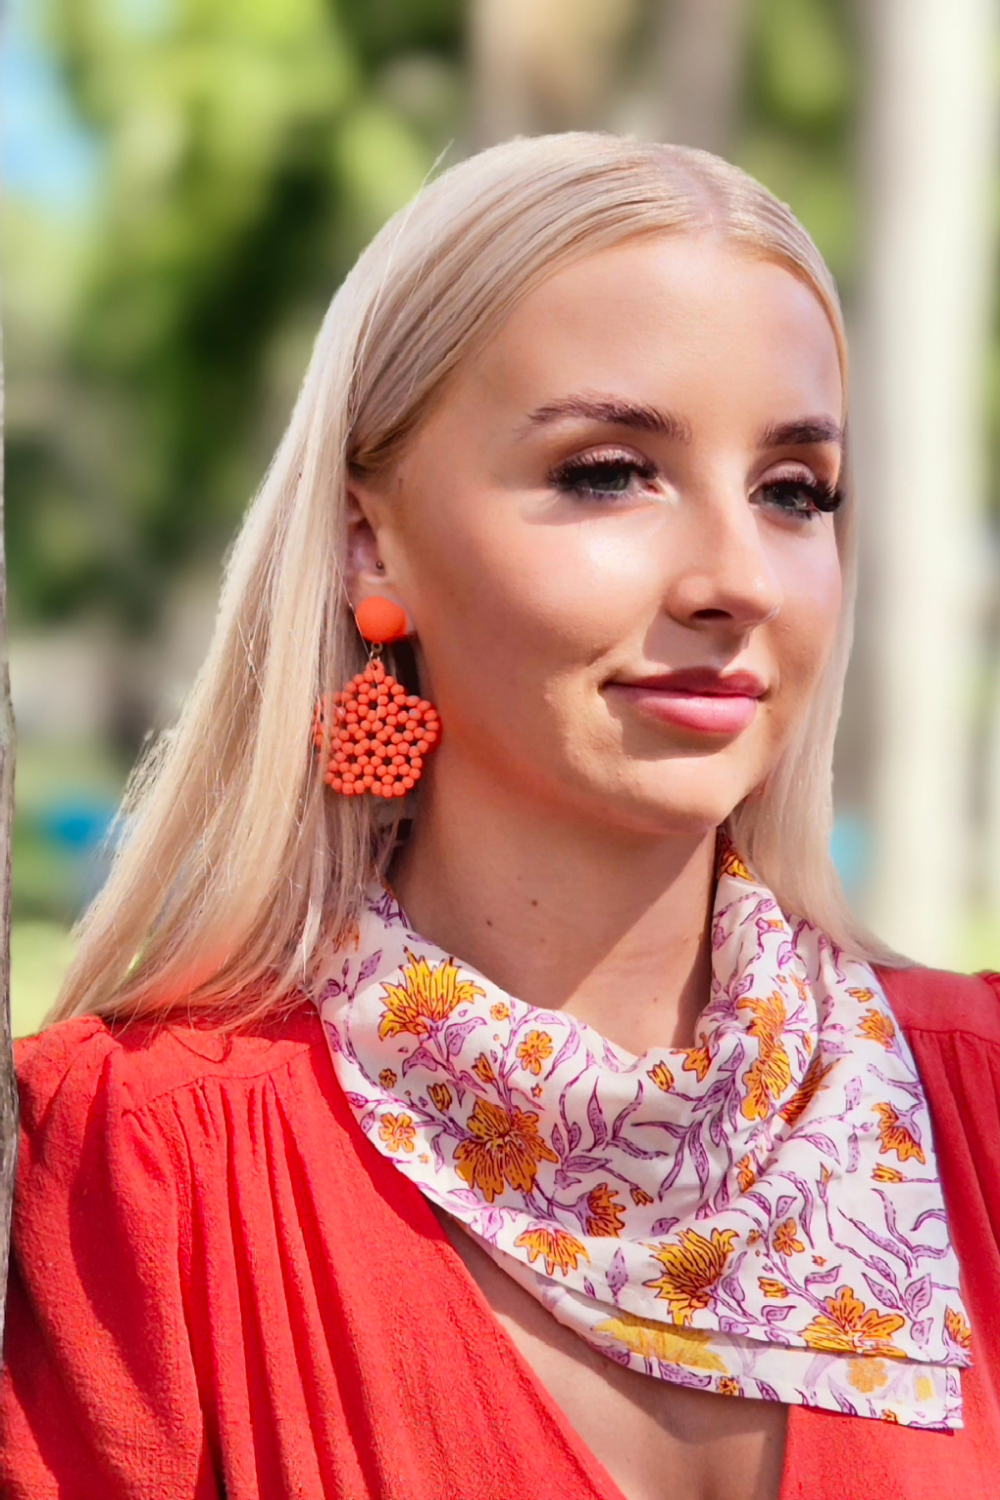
x=670 y=812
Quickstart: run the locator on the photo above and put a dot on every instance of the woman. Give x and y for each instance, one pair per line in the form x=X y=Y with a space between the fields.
x=549 y=1132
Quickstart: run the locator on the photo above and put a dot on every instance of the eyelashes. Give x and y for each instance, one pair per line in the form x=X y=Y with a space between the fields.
x=611 y=474
x=607 y=474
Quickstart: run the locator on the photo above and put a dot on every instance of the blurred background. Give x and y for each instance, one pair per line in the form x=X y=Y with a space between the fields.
x=186 y=182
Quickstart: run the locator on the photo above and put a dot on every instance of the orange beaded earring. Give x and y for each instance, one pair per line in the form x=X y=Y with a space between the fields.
x=374 y=733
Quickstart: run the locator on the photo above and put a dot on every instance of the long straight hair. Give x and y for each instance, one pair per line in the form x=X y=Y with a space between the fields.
x=237 y=867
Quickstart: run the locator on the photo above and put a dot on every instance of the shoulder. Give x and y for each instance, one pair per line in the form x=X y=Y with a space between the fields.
x=935 y=1001
x=132 y=1065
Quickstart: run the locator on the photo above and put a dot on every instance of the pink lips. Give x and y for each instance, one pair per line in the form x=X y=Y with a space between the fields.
x=699 y=699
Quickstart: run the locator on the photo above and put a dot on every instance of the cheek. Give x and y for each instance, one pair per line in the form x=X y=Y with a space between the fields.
x=567 y=593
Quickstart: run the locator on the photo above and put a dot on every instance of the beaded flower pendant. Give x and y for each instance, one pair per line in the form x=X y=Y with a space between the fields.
x=375 y=735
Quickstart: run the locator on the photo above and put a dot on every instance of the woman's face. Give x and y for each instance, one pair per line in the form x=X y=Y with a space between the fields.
x=614 y=538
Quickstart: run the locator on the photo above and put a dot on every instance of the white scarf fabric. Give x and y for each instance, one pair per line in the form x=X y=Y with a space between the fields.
x=758 y=1215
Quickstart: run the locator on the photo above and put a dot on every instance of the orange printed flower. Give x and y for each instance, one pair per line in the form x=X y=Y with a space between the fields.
x=604 y=1216
x=890 y=1416
x=692 y=1268
x=397 y=1131
x=754 y=1237
x=770 y=1075
x=387 y=1078
x=819 y=1260
x=500 y=1011
x=878 y=1027
x=441 y=1096
x=640 y=1196
x=727 y=1386
x=426 y=995
x=958 y=1329
x=771 y=1288
x=786 y=1238
x=867 y=1375
x=557 y=1246
x=862 y=996
x=534 y=1051
x=661 y=1076
x=502 y=1146
x=849 y=1327
x=731 y=864
x=884 y=1173
x=896 y=1137
x=697 y=1060
x=746 y=1173
x=806 y=1092
x=483 y=1069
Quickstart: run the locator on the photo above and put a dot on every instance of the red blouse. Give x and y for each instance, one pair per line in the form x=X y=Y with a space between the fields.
x=219 y=1288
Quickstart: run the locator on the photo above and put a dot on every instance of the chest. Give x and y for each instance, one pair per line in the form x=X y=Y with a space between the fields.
x=656 y=1440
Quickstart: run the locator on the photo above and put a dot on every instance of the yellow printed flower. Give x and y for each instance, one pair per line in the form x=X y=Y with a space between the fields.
x=806 y=1092
x=727 y=1386
x=483 y=1069
x=500 y=1012
x=441 y=1097
x=924 y=1387
x=770 y=1075
x=878 y=1027
x=387 y=1078
x=958 y=1328
x=640 y=1197
x=862 y=996
x=672 y=1345
x=397 y=1131
x=503 y=1145
x=426 y=995
x=884 y=1173
x=849 y=1327
x=867 y=1375
x=746 y=1173
x=896 y=1137
x=604 y=1215
x=771 y=1288
x=661 y=1076
x=534 y=1051
x=692 y=1268
x=786 y=1238
x=697 y=1060
x=558 y=1248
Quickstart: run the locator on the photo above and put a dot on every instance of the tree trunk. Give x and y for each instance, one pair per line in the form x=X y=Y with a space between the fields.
x=929 y=149
x=699 y=60
x=8 y=1086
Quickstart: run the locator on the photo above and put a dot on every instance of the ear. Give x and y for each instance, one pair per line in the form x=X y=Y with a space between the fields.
x=367 y=573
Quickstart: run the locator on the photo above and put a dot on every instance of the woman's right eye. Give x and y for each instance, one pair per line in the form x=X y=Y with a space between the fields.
x=598 y=477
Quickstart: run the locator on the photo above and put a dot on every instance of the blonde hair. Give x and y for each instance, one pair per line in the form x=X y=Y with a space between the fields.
x=237 y=866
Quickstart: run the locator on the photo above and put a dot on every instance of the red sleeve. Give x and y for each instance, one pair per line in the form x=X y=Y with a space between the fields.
x=99 y=1399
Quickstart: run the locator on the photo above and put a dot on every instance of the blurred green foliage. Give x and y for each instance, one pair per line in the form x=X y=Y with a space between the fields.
x=250 y=147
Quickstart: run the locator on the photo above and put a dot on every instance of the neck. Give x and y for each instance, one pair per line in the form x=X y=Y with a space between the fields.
x=605 y=924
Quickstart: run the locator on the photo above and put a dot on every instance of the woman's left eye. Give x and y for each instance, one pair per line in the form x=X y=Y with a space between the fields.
x=601 y=476
x=800 y=497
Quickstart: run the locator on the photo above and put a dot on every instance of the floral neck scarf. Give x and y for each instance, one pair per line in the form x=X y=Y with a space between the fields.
x=758 y=1215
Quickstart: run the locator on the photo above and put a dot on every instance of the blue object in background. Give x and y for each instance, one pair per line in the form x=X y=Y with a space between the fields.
x=77 y=824
x=851 y=847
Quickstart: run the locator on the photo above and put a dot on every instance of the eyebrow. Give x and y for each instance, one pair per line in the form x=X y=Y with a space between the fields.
x=799 y=434
x=614 y=411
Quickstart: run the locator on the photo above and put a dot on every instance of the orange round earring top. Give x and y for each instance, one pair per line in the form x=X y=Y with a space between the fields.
x=381 y=620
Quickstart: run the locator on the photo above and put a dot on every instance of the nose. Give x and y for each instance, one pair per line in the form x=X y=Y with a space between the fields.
x=719 y=572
